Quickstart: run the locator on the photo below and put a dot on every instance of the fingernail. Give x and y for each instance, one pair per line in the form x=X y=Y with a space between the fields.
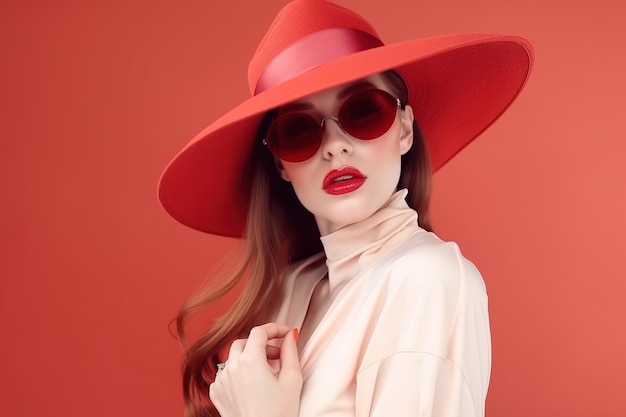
x=296 y=335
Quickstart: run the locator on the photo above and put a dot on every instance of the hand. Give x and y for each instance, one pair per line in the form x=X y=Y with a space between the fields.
x=250 y=386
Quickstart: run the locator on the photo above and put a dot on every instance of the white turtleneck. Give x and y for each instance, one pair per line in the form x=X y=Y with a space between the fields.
x=406 y=329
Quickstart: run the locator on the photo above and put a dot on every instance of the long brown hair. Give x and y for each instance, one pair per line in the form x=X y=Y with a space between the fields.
x=279 y=231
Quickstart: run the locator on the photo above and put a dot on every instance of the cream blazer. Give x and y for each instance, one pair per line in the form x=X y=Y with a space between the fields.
x=407 y=333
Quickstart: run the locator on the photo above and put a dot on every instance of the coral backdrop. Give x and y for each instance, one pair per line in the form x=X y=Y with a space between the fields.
x=96 y=96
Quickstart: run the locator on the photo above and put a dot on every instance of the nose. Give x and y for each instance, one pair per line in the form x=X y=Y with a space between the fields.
x=335 y=140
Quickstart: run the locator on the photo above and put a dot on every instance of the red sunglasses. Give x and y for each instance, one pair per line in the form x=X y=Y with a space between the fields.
x=365 y=115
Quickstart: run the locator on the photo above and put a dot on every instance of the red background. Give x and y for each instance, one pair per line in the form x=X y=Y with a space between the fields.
x=96 y=96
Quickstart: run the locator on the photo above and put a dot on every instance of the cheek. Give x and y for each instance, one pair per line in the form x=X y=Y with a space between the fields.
x=295 y=175
x=301 y=178
x=386 y=156
x=386 y=152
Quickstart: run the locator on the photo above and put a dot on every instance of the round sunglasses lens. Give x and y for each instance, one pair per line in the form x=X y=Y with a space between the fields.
x=294 y=137
x=368 y=114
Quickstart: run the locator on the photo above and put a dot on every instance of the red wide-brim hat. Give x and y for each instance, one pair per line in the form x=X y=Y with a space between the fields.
x=458 y=85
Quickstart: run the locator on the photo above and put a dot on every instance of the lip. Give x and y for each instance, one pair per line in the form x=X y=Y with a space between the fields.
x=334 y=185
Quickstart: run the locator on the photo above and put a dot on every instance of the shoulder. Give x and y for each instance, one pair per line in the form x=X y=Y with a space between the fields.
x=425 y=261
x=422 y=295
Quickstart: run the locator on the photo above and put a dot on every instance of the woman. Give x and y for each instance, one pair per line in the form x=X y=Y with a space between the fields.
x=351 y=306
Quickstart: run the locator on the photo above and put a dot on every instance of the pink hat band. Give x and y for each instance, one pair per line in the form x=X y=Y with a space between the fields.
x=328 y=44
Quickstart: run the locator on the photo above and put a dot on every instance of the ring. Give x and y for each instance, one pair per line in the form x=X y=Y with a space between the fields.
x=220 y=367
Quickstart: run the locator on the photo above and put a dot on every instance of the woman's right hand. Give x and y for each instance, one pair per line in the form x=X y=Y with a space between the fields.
x=250 y=386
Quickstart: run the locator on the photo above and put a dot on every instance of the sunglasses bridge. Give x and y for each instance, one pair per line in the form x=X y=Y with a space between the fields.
x=336 y=120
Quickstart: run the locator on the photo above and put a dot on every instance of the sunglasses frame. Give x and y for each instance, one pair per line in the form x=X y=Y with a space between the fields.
x=321 y=124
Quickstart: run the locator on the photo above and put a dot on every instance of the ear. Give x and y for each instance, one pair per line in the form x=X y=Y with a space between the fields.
x=406 y=129
x=281 y=169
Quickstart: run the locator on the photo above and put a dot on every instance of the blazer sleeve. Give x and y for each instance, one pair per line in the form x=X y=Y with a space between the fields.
x=429 y=353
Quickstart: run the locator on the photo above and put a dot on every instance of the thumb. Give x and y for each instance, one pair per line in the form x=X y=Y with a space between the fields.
x=289 y=360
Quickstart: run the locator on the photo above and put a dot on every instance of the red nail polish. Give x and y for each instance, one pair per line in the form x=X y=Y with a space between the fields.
x=296 y=335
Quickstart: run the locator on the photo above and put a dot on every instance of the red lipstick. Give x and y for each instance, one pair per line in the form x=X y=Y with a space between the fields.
x=343 y=180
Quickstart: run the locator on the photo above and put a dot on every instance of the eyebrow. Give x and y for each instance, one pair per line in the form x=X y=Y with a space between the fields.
x=305 y=105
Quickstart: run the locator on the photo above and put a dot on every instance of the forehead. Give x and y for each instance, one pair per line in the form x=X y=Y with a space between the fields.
x=334 y=95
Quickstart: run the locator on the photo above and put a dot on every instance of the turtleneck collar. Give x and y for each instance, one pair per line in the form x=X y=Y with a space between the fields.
x=351 y=249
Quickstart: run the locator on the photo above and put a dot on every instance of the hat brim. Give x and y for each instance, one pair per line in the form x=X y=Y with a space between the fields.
x=458 y=86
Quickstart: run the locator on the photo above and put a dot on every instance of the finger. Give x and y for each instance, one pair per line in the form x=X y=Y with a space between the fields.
x=218 y=395
x=235 y=350
x=215 y=393
x=237 y=347
x=212 y=392
x=260 y=335
x=289 y=360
